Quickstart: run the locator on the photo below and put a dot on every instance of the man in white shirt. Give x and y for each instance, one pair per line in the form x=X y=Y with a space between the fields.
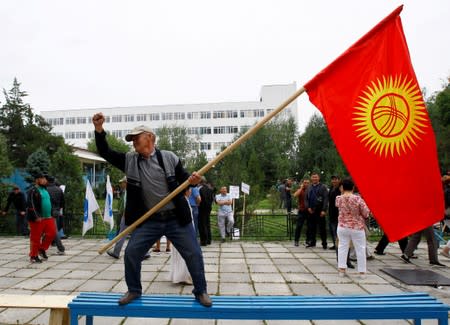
x=225 y=219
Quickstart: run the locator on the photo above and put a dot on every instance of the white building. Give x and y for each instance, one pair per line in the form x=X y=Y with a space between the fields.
x=214 y=124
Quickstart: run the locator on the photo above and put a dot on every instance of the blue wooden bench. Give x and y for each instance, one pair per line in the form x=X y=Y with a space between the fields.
x=415 y=306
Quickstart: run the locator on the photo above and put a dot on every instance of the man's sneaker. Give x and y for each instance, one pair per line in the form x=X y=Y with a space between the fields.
x=405 y=258
x=437 y=264
x=35 y=259
x=111 y=253
x=43 y=254
x=58 y=252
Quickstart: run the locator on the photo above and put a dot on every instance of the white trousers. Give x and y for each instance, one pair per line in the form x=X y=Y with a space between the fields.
x=221 y=219
x=358 y=238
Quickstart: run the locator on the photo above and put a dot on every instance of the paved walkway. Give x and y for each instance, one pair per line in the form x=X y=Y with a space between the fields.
x=232 y=268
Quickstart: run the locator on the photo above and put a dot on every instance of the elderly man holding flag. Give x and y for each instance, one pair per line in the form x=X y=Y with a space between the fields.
x=151 y=175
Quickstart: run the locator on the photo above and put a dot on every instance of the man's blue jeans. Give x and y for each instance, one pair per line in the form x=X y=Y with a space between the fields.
x=182 y=237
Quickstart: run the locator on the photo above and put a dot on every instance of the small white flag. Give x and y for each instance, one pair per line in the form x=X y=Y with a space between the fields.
x=108 y=213
x=90 y=206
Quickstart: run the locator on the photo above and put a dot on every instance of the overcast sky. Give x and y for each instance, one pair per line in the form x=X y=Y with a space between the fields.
x=94 y=54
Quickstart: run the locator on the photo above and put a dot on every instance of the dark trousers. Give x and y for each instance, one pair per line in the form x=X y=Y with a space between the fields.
x=332 y=227
x=182 y=237
x=431 y=243
x=301 y=217
x=204 y=225
x=384 y=241
x=21 y=224
x=315 y=221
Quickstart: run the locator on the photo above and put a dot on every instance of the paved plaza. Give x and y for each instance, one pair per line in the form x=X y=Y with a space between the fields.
x=232 y=268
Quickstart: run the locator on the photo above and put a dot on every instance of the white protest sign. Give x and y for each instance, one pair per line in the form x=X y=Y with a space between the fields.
x=234 y=192
x=245 y=188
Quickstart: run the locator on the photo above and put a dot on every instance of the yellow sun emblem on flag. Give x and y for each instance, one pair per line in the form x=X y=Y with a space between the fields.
x=390 y=115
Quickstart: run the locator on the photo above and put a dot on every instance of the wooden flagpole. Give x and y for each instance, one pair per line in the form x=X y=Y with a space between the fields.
x=204 y=169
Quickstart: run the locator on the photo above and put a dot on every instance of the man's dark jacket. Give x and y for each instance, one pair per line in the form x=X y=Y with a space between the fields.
x=135 y=206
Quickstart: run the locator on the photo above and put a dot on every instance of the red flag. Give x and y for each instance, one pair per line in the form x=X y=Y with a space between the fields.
x=374 y=110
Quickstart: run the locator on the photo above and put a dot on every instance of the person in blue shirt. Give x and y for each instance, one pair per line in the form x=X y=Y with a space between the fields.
x=194 y=202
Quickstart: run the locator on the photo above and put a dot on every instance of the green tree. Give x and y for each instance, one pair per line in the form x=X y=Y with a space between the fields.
x=24 y=130
x=265 y=157
x=439 y=110
x=198 y=161
x=66 y=168
x=37 y=163
x=116 y=144
x=317 y=152
x=175 y=138
x=5 y=165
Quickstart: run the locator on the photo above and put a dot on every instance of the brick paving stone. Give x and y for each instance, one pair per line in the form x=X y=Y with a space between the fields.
x=272 y=289
x=345 y=288
x=238 y=289
x=234 y=277
x=305 y=289
x=259 y=268
x=97 y=285
x=267 y=277
x=238 y=267
x=292 y=268
x=33 y=284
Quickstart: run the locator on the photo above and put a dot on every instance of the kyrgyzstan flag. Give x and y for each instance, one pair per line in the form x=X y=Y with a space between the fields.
x=375 y=113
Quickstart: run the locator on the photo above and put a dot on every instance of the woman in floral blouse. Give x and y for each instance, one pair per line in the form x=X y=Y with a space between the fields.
x=353 y=212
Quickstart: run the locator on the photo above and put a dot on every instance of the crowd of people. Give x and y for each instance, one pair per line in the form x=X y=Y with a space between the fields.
x=343 y=208
x=39 y=215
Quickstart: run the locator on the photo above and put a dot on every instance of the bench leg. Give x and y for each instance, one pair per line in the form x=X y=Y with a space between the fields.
x=417 y=321
x=443 y=320
x=73 y=319
x=59 y=316
x=89 y=320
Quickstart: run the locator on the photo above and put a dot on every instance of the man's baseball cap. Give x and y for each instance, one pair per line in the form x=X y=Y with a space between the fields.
x=136 y=131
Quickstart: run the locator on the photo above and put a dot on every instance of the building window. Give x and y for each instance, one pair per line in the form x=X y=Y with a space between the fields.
x=218 y=114
x=252 y=113
x=205 y=115
x=81 y=120
x=128 y=118
x=70 y=120
x=166 y=116
x=117 y=133
x=154 y=117
x=225 y=129
x=141 y=117
x=205 y=145
x=55 y=121
x=232 y=114
x=178 y=116
x=205 y=130
x=107 y=119
x=117 y=118
x=193 y=115
x=75 y=135
x=193 y=131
